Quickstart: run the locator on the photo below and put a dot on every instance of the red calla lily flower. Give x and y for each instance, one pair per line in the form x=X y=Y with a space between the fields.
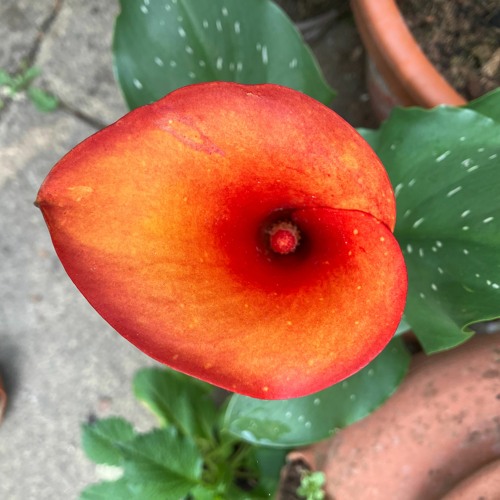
x=239 y=234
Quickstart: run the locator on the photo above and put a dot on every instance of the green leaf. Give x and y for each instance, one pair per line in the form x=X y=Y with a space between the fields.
x=28 y=75
x=5 y=78
x=269 y=462
x=123 y=489
x=487 y=105
x=161 y=46
x=43 y=101
x=402 y=327
x=163 y=459
x=177 y=400
x=296 y=422
x=444 y=165
x=100 y=439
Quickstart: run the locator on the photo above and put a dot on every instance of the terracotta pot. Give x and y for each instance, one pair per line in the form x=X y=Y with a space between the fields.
x=398 y=72
x=442 y=425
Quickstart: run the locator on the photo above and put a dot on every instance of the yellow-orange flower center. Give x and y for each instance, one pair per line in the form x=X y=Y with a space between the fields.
x=284 y=238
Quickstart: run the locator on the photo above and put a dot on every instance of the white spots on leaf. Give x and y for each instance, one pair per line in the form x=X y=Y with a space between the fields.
x=144 y=9
x=409 y=248
x=288 y=414
x=158 y=61
x=496 y=286
x=407 y=213
x=168 y=7
x=440 y=270
x=454 y=191
x=219 y=63
x=392 y=147
x=462 y=139
x=471 y=169
x=192 y=75
x=397 y=189
x=218 y=25
x=465 y=228
x=317 y=402
x=173 y=63
x=239 y=66
x=441 y=157
x=434 y=287
x=488 y=220
x=301 y=418
x=189 y=50
x=137 y=84
x=205 y=23
x=308 y=425
x=412 y=183
x=265 y=56
x=418 y=222
x=181 y=31
x=492 y=157
x=466 y=163
x=466 y=252
x=224 y=11
x=202 y=63
x=422 y=295
x=146 y=2
x=237 y=27
x=434 y=249
x=439 y=244
x=465 y=213
x=480 y=150
x=293 y=63
x=421 y=252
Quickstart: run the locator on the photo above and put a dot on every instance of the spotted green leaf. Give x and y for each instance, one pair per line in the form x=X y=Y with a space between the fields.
x=444 y=165
x=161 y=46
x=300 y=421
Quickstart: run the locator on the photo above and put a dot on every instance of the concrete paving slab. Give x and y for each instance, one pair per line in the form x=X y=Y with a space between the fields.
x=21 y=23
x=76 y=60
x=60 y=361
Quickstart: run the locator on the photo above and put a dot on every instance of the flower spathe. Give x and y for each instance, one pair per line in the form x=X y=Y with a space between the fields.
x=240 y=234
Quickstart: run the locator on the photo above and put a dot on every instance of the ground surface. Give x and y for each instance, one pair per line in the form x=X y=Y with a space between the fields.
x=60 y=361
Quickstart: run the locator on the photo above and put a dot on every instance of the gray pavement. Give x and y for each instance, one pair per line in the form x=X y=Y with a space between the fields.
x=61 y=362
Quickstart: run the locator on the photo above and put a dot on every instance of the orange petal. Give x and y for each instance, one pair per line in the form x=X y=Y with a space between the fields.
x=162 y=221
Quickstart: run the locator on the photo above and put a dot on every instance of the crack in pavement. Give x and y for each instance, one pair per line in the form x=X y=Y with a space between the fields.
x=30 y=58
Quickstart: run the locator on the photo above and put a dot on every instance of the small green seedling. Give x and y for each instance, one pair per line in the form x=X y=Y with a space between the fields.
x=19 y=84
x=311 y=486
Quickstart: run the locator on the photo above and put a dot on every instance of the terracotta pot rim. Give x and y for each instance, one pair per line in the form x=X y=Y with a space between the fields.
x=394 y=50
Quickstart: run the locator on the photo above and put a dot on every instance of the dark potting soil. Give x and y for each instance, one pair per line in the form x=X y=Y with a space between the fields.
x=291 y=478
x=461 y=38
x=299 y=10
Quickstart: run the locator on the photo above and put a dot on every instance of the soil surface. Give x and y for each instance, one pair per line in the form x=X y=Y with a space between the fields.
x=291 y=477
x=300 y=10
x=461 y=38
